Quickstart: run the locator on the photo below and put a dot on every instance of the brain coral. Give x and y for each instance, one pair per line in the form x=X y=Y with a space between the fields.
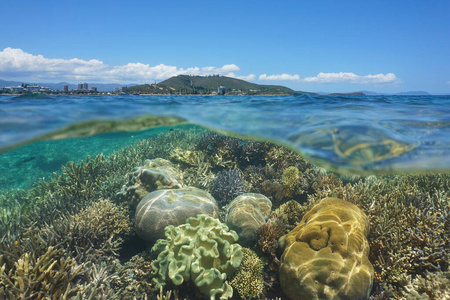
x=247 y=213
x=203 y=251
x=325 y=256
x=154 y=174
x=171 y=207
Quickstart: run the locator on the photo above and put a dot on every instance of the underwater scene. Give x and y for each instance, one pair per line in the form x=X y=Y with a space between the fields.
x=224 y=197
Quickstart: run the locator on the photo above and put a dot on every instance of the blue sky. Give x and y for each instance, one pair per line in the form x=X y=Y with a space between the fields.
x=331 y=46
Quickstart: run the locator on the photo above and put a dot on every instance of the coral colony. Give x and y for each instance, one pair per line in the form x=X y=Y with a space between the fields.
x=193 y=214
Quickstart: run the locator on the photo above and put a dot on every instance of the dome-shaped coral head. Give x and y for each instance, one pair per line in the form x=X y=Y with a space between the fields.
x=326 y=255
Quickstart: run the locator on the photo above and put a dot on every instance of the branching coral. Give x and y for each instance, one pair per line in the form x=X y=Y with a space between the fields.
x=227 y=185
x=268 y=236
x=49 y=276
x=249 y=281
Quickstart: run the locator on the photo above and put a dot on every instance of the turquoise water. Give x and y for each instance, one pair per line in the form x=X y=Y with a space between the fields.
x=346 y=134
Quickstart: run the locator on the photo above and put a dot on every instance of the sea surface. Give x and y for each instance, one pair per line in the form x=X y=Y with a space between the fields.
x=345 y=134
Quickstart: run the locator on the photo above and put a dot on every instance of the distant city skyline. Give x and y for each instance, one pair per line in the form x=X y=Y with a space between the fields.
x=330 y=46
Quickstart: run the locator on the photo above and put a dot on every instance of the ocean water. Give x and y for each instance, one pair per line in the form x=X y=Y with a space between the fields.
x=353 y=134
x=378 y=142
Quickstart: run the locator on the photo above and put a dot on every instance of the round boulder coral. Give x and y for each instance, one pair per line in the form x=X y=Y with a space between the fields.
x=154 y=174
x=246 y=214
x=202 y=251
x=171 y=207
x=326 y=255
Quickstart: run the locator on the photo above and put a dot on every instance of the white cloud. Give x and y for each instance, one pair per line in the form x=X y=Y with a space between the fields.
x=245 y=77
x=279 y=77
x=20 y=64
x=352 y=78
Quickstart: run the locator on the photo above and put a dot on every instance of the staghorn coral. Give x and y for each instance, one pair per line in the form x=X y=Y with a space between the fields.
x=171 y=207
x=49 y=276
x=202 y=251
x=228 y=185
x=249 y=281
x=429 y=286
x=94 y=234
x=325 y=256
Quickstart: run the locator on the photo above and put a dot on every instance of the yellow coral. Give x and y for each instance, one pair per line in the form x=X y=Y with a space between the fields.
x=249 y=281
x=291 y=177
x=325 y=256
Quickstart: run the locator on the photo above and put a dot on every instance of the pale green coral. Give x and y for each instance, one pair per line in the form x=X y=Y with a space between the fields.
x=291 y=177
x=249 y=280
x=202 y=251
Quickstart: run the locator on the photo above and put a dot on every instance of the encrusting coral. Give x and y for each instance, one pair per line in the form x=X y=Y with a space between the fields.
x=325 y=256
x=202 y=251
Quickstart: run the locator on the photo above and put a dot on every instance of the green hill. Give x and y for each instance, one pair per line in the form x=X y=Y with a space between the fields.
x=186 y=84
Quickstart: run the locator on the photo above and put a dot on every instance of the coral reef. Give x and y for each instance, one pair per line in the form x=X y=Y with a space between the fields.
x=289 y=213
x=409 y=217
x=268 y=235
x=249 y=281
x=202 y=251
x=228 y=185
x=246 y=213
x=48 y=276
x=292 y=178
x=429 y=286
x=171 y=207
x=409 y=222
x=155 y=174
x=325 y=256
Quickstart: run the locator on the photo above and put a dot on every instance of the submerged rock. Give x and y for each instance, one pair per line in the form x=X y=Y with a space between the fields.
x=171 y=207
x=326 y=255
x=155 y=174
x=246 y=214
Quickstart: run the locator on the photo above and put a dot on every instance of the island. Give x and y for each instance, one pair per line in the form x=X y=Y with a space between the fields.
x=208 y=85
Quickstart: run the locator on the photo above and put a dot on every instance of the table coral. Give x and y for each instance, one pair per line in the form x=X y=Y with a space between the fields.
x=202 y=251
x=326 y=255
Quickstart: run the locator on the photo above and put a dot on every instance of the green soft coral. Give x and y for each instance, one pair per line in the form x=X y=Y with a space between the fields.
x=202 y=251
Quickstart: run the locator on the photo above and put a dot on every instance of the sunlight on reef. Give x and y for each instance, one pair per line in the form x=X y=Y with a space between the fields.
x=73 y=233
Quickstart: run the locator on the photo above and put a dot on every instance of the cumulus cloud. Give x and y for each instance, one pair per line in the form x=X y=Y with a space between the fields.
x=20 y=64
x=352 y=78
x=279 y=77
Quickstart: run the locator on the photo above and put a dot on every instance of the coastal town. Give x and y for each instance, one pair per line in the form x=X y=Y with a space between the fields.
x=83 y=88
